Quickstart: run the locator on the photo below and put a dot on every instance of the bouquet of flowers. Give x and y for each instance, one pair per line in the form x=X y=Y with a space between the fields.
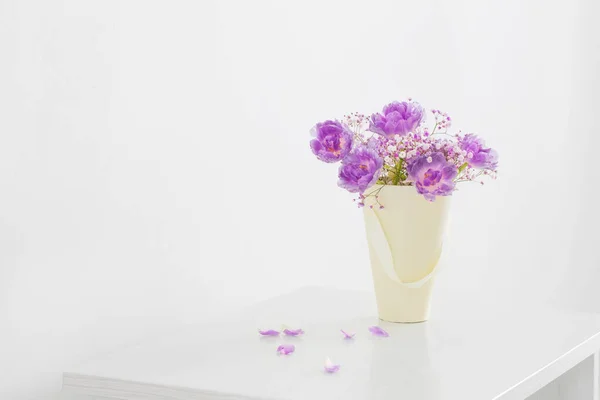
x=397 y=147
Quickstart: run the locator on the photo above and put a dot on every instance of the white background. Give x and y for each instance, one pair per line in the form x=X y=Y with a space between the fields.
x=155 y=168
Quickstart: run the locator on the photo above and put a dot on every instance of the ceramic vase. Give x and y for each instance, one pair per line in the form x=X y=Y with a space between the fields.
x=405 y=243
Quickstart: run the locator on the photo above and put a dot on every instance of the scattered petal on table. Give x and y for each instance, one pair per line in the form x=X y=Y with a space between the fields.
x=268 y=332
x=293 y=332
x=331 y=367
x=347 y=335
x=377 y=331
x=286 y=349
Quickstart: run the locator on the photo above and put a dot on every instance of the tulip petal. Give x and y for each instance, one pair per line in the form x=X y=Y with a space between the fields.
x=330 y=367
x=268 y=332
x=286 y=349
x=377 y=331
x=293 y=332
x=347 y=335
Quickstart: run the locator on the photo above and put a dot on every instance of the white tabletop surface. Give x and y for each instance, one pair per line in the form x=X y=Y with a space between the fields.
x=470 y=349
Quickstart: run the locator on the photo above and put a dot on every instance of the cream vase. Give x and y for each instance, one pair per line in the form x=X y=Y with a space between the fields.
x=405 y=243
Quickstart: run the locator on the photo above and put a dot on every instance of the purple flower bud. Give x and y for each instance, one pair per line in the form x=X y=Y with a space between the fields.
x=397 y=119
x=360 y=169
x=435 y=178
x=333 y=141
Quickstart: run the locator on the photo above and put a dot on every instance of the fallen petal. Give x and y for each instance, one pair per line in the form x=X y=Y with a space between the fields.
x=347 y=335
x=269 y=332
x=377 y=331
x=331 y=367
x=286 y=349
x=293 y=332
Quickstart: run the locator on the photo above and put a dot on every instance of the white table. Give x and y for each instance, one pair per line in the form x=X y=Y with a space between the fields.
x=470 y=349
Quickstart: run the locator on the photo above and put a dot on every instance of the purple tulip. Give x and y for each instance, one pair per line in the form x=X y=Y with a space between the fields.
x=332 y=142
x=397 y=119
x=360 y=169
x=432 y=175
x=477 y=155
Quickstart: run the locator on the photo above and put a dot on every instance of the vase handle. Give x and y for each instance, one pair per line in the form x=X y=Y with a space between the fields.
x=379 y=244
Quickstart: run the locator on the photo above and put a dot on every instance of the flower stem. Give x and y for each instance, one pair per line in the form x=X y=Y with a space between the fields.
x=397 y=173
x=433 y=130
x=440 y=133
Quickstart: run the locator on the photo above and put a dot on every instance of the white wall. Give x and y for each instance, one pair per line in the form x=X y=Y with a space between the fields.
x=154 y=160
x=581 y=277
